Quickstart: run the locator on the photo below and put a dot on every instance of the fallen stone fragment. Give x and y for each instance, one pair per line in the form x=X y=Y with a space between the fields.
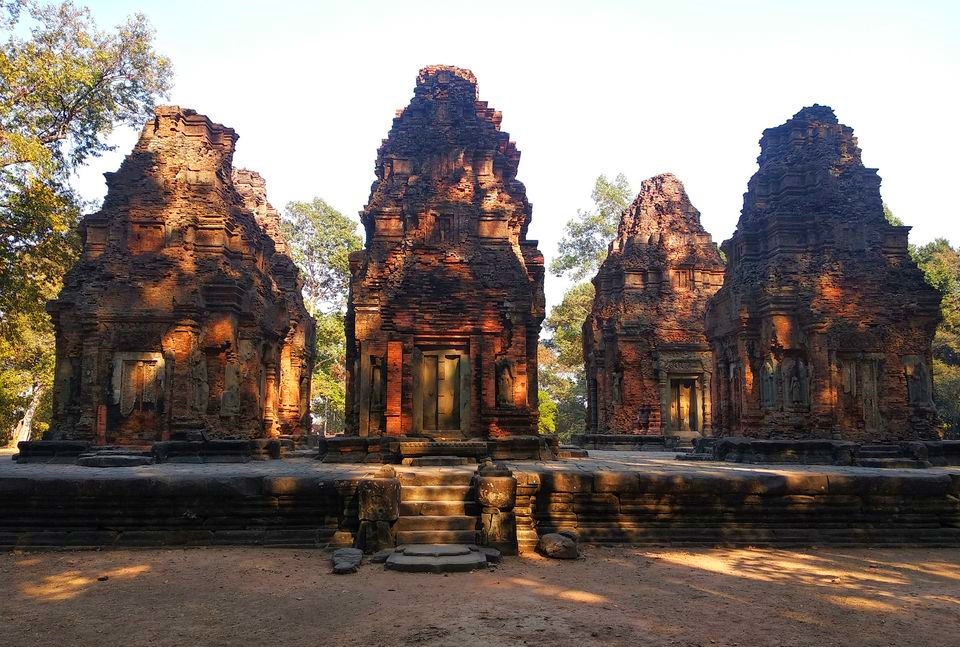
x=381 y=556
x=558 y=546
x=346 y=560
x=572 y=534
x=493 y=555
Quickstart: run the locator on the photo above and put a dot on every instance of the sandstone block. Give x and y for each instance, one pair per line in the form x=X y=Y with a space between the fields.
x=557 y=546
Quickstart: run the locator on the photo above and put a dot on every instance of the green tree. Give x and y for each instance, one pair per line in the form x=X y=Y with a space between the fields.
x=584 y=245
x=891 y=218
x=547 y=423
x=561 y=373
x=941 y=265
x=565 y=324
x=64 y=86
x=564 y=388
x=580 y=254
x=321 y=240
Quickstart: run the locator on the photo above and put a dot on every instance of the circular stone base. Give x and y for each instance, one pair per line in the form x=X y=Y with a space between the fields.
x=435 y=558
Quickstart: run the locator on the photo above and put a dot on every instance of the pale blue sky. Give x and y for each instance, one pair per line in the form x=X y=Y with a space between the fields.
x=585 y=88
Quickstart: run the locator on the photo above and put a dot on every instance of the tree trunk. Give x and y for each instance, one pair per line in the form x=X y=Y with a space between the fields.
x=25 y=427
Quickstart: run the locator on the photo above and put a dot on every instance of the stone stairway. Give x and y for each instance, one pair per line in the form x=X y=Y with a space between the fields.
x=887 y=455
x=438 y=506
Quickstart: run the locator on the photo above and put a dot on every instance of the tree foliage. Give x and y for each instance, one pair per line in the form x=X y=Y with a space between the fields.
x=321 y=239
x=561 y=372
x=940 y=263
x=547 y=423
x=563 y=395
x=584 y=244
x=65 y=85
x=565 y=324
x=580 y=253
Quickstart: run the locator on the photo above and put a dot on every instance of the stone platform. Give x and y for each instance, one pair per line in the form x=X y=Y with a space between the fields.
x=634 y=497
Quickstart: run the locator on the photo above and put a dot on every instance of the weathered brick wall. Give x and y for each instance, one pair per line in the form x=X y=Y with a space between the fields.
x=747 y=509
x=200 y=510
x=823 y=327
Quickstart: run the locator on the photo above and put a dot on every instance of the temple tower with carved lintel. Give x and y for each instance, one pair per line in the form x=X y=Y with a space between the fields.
x=446 y=299
x=184 y=314
x=824 y=325
x=649 y=368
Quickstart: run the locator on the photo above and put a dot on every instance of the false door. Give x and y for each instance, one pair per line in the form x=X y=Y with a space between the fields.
x=441 y=393
x=683 y=405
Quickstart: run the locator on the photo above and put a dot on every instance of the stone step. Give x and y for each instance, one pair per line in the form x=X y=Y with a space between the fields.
x=569 y=451
x=436 y=477
x=892 y=463
x=113 y=460
x=439 y=461
x=879 y=451
x=442 y=558
x=112 y=450
x=436 y=523
x=437 y=537
x=436 y=493
x=439 y=508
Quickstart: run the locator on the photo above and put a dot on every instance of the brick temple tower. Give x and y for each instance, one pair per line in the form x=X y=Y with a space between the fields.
x=446 y=299
x=649 y=369
x=823 y=327
x=183 y=315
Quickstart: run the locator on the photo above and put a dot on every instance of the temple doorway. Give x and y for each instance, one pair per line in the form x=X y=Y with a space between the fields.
x=441 y=391
x=684 y=405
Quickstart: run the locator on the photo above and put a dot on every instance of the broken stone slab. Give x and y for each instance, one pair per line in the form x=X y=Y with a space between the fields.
x=381 y=556
x=436 y=558
x=346 y=560
x=493 y=555
x=557 y=546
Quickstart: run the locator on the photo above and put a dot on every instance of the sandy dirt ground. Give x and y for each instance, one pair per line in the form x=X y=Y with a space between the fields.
x=614 y=596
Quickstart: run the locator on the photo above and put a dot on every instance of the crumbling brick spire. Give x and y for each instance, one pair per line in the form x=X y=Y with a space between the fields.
x=823 y=327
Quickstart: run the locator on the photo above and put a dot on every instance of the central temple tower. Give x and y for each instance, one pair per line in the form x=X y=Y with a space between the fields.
x=446 y=299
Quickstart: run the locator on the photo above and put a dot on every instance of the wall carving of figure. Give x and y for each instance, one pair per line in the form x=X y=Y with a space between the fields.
x=201 y=388
x=505 y=383
x=230 y=400
x=736 y=391
x=377 y=383
x=918 y=381
x=618 y=387
x=796 y=383
x=870 y=394
x=643 y=418
x=768 y=383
